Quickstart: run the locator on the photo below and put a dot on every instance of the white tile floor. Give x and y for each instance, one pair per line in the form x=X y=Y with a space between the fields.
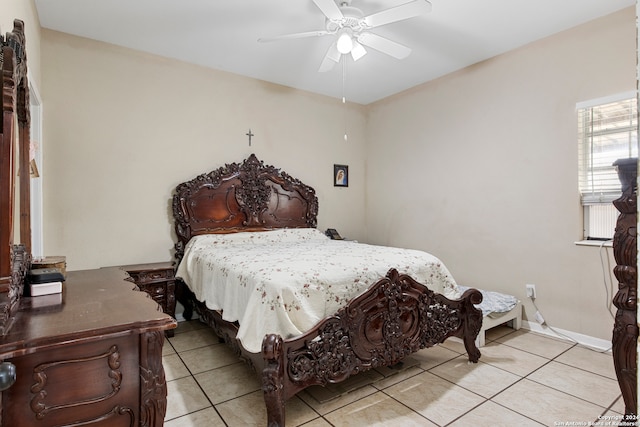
x=523 y=379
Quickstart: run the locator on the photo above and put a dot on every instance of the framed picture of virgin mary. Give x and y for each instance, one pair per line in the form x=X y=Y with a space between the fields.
x=340 y=175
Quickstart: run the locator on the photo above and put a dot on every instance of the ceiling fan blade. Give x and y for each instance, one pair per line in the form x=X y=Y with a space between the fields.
x=331 y=58
x=404 y=11
x=330 y=9
x=384 y=45
x=318 y=33
x=358 y=51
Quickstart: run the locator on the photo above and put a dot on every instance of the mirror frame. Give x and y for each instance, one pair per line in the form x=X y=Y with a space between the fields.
x=15 y=259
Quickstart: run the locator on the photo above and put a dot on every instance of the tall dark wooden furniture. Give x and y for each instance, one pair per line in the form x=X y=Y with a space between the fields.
x=395 y=317
x=625 y=330
x=15 y=215
x=90 y=356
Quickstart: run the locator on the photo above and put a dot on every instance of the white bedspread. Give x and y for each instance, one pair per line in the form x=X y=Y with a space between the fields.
x=285 y=281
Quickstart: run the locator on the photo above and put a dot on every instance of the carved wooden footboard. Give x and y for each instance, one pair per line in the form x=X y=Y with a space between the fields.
x=397 y=316
x=394 y=318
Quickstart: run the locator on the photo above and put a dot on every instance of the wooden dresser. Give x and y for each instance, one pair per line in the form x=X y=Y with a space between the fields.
x=92 y=359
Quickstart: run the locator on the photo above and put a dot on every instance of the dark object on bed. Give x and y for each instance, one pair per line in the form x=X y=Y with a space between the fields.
x=394 y=318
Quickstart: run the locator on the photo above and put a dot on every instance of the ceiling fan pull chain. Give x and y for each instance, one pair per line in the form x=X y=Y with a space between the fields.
x=344 y=97
x=344 y=79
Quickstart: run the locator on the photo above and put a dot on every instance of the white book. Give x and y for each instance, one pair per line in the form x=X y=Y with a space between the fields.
x=46 y=301
x=37 y=289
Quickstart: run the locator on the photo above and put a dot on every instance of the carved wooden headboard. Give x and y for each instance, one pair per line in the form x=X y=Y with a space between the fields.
x=247 y=196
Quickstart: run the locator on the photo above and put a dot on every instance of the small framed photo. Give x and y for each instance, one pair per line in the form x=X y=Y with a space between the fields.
x=340 y=175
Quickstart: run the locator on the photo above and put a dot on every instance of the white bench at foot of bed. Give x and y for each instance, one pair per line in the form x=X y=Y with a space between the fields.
x=497 y=309
x=514 y=316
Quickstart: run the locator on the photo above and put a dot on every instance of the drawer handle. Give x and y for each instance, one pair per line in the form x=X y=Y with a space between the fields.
x=7 y=375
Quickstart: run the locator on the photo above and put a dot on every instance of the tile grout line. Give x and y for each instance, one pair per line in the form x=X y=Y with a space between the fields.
x=198 y=384
x=383 y=390
x=575 y=367
x=422 y=370
x=213 y=406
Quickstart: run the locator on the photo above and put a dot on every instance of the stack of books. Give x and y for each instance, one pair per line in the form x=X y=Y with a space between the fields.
x=43 y=281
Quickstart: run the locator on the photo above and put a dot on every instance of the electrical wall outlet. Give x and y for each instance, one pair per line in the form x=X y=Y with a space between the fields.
x=531 y=291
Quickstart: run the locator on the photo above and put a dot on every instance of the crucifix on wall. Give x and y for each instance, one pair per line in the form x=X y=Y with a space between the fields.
x=249 y=134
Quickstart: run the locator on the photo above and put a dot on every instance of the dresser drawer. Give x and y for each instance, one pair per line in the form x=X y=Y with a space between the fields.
x=152 y=276
x=157 y=292
x=96 y=384
x=153 y=289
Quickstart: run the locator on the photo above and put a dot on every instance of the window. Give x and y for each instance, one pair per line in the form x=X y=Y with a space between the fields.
x=607 y=131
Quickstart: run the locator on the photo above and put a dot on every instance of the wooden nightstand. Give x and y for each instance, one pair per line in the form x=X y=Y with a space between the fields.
x=158 y=280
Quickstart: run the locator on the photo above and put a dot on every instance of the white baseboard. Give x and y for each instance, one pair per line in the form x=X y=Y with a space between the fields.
x=585 y=340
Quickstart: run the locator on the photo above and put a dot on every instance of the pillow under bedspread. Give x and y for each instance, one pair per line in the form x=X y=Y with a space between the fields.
x=494 y=303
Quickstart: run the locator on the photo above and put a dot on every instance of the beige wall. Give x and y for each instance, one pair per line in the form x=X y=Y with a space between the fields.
x=480 y=168
x=24 y=10
x=123 y=128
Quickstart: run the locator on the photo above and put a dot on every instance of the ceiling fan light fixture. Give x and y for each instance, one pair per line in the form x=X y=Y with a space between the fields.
x=358 y=51
x=345 y=42
x=350 y=30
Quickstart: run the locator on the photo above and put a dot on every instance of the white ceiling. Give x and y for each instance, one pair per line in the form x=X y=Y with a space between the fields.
x=223 y=35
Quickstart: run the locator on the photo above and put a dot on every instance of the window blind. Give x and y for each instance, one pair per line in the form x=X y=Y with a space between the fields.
x=606 y=132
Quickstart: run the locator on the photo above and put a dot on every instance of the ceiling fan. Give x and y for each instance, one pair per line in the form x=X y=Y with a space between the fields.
x=351 y=29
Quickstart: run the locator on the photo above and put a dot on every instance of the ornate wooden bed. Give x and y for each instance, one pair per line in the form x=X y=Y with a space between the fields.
x=394 y=318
